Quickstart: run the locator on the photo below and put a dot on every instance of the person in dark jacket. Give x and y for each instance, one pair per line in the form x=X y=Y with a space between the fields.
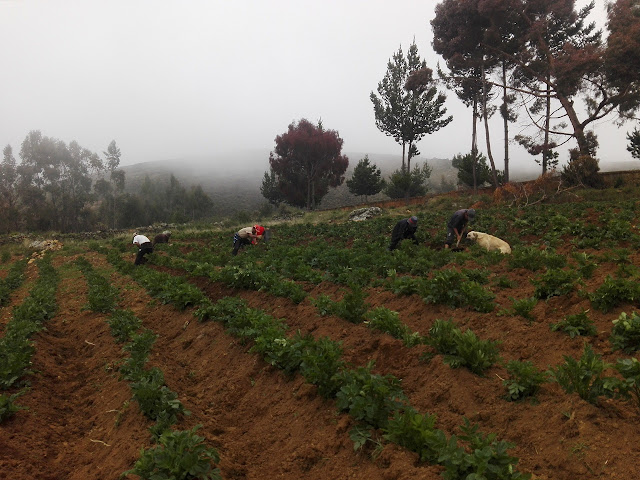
x=404 y=229
x=457 y=226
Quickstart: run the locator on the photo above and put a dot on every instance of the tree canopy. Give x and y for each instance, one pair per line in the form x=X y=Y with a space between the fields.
x=307 y=161
x=408 y=105
x=366 y=179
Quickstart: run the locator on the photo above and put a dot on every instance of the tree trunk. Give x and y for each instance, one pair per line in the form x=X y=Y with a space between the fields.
x=486 y=129
x=505 y=119
x=547 y=122
x=403 y=152
x=474 y=145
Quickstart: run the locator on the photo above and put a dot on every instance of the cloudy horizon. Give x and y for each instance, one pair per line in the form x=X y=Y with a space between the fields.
x=168 y=79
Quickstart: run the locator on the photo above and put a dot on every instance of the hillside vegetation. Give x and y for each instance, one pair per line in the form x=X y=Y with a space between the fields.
x=320 y=354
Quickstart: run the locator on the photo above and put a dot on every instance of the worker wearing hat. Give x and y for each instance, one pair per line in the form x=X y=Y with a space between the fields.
x=405 y=228
x=457 y=226
x=247 y=236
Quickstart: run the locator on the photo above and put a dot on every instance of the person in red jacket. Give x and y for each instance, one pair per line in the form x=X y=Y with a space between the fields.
x=247 y=236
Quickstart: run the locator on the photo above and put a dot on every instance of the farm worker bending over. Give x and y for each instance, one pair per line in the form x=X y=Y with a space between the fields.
x=247 y=236
x=144 y=247
x=404 y=229
x=457 y=226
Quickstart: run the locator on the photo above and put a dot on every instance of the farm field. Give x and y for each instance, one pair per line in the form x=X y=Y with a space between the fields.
x=322 y=355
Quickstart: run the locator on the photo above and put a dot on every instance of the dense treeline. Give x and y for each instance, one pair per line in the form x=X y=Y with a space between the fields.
x=68 y=188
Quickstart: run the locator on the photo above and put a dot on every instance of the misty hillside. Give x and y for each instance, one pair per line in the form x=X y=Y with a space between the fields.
x=233 y=180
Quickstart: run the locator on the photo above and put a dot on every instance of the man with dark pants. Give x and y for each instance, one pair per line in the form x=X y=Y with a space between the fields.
x=404 y=229
x=457 y=226
x=247 y=236
x=144 y=246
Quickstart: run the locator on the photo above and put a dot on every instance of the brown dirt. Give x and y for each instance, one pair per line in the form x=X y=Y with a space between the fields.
x=80 y=424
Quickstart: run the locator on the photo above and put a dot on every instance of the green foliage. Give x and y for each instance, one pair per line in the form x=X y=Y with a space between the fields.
x=123 y=324
x=533 y=258
x=586 y=265
x=464 y=164
x=441 y=337
x=8 y=407
x=366 y=179
x=629 y=368
x=582 y=170
x=487 y=458
x=321 y=361
x=462 y=349
x=614 y=292
x=403 y=184
x=281 y=352
x=156 y=400
x=471 y=352
x=575 y=325
x=385 y=320
x=584 y=376
x=634 y=143
x=523 y=307
x=452 y=288
x=179 y=455
x=352 y=307
x=417 y=433
x=625 y=334
x=139 y=349
x=554 y=282
x=524 y=380
x=368 y=397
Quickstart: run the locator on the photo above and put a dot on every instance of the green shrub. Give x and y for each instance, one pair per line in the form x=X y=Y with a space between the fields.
x=629 y=368
x=441 y=337
x=625 y=334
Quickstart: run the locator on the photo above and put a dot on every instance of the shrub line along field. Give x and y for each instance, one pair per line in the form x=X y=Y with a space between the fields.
x=570 y=263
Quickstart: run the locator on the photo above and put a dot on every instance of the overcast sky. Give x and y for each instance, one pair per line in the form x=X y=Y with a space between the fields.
x=169 y=79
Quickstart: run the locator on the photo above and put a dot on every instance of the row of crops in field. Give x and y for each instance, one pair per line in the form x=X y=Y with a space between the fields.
x=559 y=250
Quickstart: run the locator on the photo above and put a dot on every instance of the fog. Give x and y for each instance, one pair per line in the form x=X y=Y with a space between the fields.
x=172 y=80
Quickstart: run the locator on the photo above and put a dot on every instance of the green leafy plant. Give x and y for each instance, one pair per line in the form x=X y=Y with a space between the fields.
x=8 y=407
x=320 y=363
x=471 y=352
x=576 y=325
x=123 y=324
x=524 y=380
x=554 y=282
x=441 y=337
x=521 y=307
x=584 y=376
x=625 y=334
x=629 y=368
x=179 y=455
x=368 y=397
x=614 y=292
x=385 y=320
x=417 y=433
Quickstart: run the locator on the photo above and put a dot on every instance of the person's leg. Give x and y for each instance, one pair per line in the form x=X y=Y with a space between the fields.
x=451 y=238
x=139 y=257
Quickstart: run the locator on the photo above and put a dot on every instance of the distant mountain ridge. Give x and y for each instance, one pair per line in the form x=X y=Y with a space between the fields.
x=232 y=180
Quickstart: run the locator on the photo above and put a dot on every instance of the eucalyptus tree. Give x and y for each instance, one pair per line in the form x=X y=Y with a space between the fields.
x=408 y=105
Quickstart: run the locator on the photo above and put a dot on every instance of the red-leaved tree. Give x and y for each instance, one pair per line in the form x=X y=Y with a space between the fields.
x=307 y=160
